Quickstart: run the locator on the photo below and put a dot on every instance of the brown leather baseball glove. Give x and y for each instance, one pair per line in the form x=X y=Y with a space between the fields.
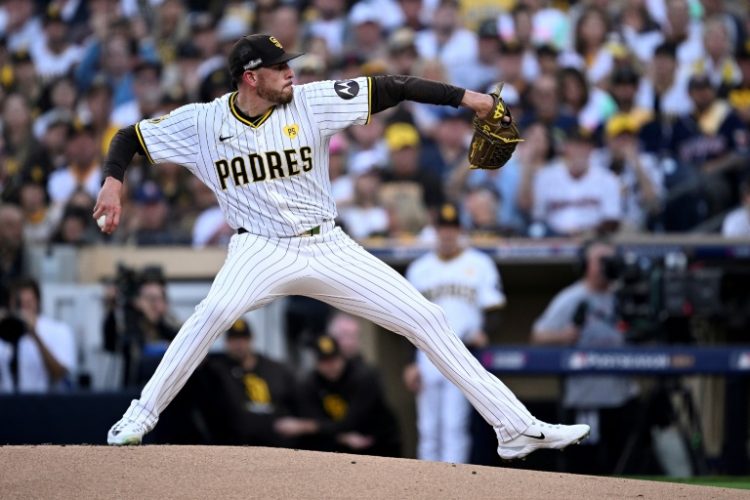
x=495 y=136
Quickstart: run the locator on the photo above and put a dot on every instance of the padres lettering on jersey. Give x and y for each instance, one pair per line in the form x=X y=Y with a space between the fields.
x=269 y=176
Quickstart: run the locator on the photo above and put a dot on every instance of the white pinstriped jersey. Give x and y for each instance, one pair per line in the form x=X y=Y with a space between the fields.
x=271 y=177
x=463 y=286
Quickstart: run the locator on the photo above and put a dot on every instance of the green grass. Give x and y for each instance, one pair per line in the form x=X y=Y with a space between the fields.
x=737 y=482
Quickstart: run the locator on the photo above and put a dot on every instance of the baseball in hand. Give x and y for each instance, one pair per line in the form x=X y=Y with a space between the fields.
x=101 y=221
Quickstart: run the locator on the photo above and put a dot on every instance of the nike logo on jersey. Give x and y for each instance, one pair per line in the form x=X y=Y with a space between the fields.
x=346 y=89
x=223 y=138
x=540 y=436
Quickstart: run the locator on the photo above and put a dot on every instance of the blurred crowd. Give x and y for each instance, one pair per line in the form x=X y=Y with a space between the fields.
x=635 y=113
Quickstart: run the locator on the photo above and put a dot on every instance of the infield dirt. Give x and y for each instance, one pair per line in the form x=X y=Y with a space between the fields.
x=183 y=472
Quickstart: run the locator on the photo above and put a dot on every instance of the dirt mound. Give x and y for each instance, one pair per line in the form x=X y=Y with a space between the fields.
x=233 y=472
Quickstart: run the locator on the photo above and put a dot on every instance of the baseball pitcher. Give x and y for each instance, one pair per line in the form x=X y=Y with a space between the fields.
x=263 y=150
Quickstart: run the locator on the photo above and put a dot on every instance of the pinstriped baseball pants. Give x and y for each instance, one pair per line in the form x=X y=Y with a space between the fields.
x=330 y=267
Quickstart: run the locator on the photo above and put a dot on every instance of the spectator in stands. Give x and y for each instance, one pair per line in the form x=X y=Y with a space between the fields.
x=113 y=55
x=241 y=393
x=412 y=14
x=683 y=31
x=365 y=218
x=21 y=28
x=138 y=324
x=147 y=95
x=53 y=53
x=83 y=169
x=309 y=68
x=664 y=90
x=707 y=141
x=329 y=24
x=23 y=78
x=45 y=357
x=591 y=53
x=623 y=88
x=482 y=206
x=718 y=60
x=639 y=30
x=588 y=103
x=12 y=249
x=488 y=54
x=40 y=220
x=97 y=112
x=454 y=46
x=342 y=182
x=510 y=68
x=75 y=228
x=58 y=103
x=345 y=329
x=402 y=53
x=409 y=192
x=577 y=195
x=739 y=96
x=342 y=408
x=737 y=222
x=544 y=98
x=366 y=31
x=22 y=154
x=149 y=223
x=286 y=27
x=639 y=175
x=583 y=315
x=535 y=153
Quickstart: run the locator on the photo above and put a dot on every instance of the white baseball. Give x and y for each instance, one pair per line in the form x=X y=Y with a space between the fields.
x=101 y=221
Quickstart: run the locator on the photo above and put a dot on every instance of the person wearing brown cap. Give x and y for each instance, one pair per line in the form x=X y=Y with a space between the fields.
x=263 y=150
x=243 y=392
x=342 y=407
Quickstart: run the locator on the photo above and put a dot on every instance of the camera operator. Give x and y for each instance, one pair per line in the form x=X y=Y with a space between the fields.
x=583 y=315
x=138 y=324
x=37 y=353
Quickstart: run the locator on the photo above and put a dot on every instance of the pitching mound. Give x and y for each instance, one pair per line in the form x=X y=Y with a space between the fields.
x=228 y=472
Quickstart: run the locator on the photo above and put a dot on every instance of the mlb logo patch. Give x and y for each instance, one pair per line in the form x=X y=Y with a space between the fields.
x=291 y=131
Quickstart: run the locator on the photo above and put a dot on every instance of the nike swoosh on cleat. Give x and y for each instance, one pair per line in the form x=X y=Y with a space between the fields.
x=540 y=436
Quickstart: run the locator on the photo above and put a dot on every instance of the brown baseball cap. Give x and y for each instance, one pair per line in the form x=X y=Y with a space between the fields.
x=257 y=51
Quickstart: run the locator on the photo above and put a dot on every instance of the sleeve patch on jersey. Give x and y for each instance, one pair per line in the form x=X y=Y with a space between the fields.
x=346 y=89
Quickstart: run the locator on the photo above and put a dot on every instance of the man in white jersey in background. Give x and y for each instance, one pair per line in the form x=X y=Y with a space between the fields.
x=263 y=150
x=466 y=284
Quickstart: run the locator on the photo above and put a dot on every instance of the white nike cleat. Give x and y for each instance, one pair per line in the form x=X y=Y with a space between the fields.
x=126 y=432
x=540 y=435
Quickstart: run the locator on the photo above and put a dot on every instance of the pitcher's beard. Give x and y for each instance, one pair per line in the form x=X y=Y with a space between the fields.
x=283 y=96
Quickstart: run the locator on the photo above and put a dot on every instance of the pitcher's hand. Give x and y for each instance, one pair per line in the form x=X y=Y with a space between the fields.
x=108 y=204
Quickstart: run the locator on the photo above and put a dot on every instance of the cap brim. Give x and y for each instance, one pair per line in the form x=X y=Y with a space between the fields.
x=288 y=56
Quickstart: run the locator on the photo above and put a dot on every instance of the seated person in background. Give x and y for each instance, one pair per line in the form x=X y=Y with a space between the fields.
x=409 y=191
x=706 y=139
x=342 y=408
x=241 y=393
x=147 y=330
x=583 y=315
x=576 y=195
x=737 y=222
x=639 y=176
x=365 y=218
x=345 y=330
x=44 y=358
